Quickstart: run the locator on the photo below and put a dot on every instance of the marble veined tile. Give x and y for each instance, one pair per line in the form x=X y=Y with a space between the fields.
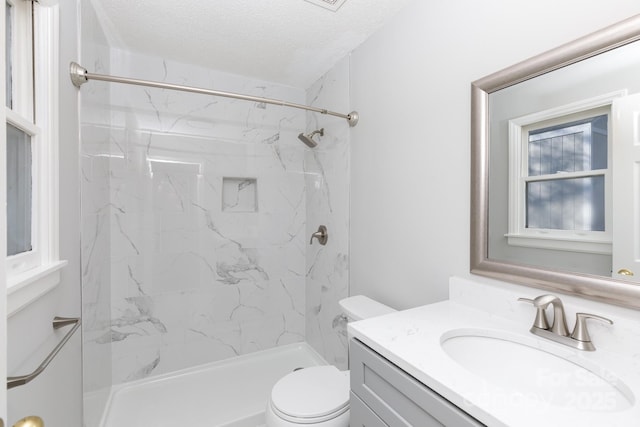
x=198 y=215
x=207 y=220
x=327 y=203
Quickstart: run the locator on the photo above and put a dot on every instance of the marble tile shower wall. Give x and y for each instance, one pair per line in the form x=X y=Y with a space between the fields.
x=208 y=214
x=95 y=215
x=327 y=183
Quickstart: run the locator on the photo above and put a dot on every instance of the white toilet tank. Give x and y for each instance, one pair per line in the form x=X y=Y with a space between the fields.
x=359 y=307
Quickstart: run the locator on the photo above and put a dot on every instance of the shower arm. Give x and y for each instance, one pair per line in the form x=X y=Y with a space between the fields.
x=80 y=75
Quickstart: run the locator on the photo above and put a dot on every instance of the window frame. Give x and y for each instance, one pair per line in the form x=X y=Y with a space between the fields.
x=32 y=274
x=597 y=242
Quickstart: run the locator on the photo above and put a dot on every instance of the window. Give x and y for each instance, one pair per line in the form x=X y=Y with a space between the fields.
x=565 y=182
x=19 y=186
x=560 y=185
x=31 y=151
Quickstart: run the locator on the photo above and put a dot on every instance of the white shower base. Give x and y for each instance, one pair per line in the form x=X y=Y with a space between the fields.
x=229 y=393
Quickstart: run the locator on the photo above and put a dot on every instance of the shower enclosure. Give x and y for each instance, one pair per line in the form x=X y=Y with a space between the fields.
x=196 y=218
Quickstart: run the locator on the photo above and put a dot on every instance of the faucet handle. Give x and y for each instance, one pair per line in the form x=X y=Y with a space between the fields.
x=322 y=235
x=541 y=317
x=580 y=331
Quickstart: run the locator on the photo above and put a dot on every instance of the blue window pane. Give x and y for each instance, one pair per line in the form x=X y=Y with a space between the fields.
x=566 y=204
x=19 y=184
x=570 y=147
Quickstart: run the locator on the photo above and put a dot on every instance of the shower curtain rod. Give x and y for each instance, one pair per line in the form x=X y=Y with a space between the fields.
x=80 y=75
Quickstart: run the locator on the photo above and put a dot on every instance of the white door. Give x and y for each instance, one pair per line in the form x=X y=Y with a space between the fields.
x=3 y=274
x=3 y=237
x=626 y=188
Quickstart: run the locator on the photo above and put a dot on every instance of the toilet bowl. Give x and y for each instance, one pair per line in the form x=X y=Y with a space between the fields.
x=319 y=396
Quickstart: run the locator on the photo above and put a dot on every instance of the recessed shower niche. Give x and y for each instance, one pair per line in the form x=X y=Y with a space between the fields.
x=239 y=194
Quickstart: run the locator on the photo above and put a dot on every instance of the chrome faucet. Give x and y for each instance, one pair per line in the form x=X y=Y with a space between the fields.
x=558 y=331
x=559 y=325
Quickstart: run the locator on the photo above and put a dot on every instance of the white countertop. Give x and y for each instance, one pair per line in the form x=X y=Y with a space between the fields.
x=411 y=339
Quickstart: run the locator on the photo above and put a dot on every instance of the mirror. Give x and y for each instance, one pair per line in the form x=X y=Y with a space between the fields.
x=553 y=202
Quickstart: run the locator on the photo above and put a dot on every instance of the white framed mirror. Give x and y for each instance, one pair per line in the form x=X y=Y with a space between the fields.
x=555 y=169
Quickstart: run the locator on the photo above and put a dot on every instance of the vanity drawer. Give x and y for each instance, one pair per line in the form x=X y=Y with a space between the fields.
x=396 y=397
x=361 y=415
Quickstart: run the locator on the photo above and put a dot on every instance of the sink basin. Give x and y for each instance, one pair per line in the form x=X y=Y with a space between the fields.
x=519 y=370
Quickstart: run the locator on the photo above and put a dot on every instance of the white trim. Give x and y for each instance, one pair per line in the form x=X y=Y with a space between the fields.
x=23 y=289
x=561 y=243
x=19 y=121
x=518 y=234
x=47 y=83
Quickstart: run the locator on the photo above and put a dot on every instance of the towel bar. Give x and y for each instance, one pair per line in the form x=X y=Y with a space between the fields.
x=58 y=322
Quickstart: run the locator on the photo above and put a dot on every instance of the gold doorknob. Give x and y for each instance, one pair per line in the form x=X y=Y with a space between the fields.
x=625 y=272
x=30 y=421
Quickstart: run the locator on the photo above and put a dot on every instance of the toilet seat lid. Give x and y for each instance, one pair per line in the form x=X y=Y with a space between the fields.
x=312 y=392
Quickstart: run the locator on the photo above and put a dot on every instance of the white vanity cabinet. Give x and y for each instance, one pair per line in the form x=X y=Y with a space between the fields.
x=384 y=395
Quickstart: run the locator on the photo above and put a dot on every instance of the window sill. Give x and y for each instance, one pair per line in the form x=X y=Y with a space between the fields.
x=559 y=243
x=25 y=288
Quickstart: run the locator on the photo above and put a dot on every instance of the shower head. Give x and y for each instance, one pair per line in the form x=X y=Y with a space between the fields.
x=308 y=139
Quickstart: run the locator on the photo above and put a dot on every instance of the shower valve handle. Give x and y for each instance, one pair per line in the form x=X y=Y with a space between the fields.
x=322 y=235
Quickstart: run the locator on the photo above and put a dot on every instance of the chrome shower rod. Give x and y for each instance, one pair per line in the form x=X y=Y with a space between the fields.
x=80 y=75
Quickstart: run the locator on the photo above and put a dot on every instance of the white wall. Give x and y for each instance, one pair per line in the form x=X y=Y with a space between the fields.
x=411 y=150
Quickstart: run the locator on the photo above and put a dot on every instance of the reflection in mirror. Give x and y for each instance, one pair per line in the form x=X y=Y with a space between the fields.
x=554 y=200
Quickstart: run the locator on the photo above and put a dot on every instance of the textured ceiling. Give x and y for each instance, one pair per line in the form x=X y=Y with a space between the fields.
x=292 y=42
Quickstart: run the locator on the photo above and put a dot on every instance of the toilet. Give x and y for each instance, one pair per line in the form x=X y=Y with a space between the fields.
x=319 y=396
